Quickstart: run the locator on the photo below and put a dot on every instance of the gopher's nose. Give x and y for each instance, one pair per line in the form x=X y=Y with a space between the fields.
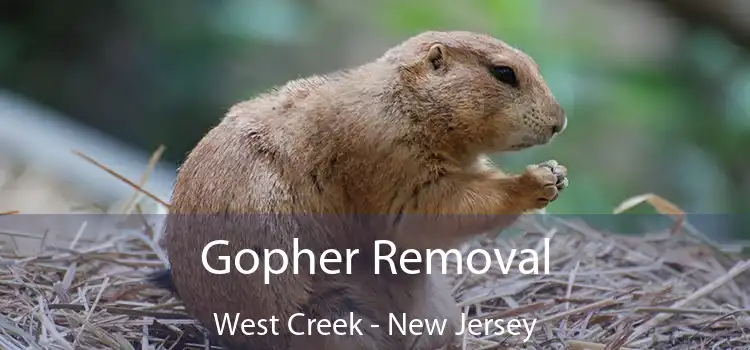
x=562 y=120
x=560 y=127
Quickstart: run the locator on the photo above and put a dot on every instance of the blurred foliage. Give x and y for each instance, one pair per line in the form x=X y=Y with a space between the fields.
x=152 y=73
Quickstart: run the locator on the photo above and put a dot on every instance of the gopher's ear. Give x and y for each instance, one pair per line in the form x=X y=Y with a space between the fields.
x=436 y=56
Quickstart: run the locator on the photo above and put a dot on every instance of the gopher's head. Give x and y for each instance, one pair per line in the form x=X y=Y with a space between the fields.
x=478 y=90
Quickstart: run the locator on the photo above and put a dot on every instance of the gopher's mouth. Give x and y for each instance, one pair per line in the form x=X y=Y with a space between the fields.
x=531 y=141
x=520 y=146
x=528 y=139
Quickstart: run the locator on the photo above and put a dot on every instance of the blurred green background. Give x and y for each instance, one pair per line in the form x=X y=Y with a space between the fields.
x=657 y=92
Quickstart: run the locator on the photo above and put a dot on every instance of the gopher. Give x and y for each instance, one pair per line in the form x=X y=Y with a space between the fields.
x=395 y=149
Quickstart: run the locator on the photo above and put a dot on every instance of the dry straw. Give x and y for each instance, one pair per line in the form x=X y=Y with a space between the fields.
x=661 y=290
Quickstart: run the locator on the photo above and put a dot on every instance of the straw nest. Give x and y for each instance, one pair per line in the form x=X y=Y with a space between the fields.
x=662 y=290
x=659 y=291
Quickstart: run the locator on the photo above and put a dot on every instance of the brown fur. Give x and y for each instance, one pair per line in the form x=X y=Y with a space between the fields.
x=402 y=142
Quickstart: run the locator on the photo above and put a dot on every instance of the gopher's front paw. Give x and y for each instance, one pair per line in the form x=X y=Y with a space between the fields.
x=542 y=183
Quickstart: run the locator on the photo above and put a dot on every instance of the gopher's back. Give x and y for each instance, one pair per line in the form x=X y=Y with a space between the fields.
x=217 y=190
x=265 y=175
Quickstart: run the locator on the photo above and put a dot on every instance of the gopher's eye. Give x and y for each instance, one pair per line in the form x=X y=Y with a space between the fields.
x=504 y=74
